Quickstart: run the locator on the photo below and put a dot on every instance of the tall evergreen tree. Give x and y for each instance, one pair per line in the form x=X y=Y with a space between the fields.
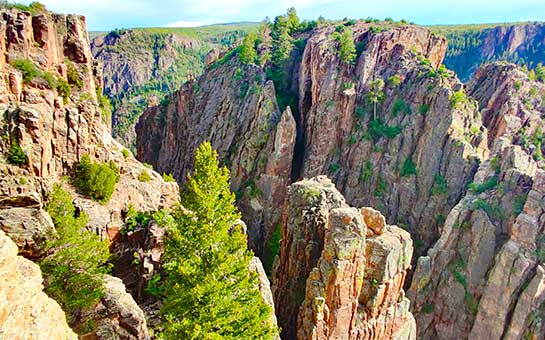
x=209 y=291
x=347 y=48
x=248 y=54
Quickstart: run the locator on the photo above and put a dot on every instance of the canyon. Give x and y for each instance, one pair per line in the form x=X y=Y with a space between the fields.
x=383 y=197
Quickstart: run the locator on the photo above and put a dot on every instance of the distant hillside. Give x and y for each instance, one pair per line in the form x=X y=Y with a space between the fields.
x=144 y=64
x=470 y=46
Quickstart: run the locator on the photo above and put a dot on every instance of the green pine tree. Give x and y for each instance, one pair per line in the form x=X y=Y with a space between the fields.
x=248 y=54
x=347 y=48
x=74 y=269
x=209 y=292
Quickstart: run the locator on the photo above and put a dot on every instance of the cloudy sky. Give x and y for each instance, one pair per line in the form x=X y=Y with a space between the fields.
x=105 y=15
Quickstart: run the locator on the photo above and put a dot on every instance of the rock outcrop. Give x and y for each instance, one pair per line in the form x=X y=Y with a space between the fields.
x=117 y=316
x=470 y=46
x=483 y=277
x=26 y=312
x=54 y=132
x=139 y=64
x=235 y=108
x=50 y=128
x=362 y=147
x=341 y=270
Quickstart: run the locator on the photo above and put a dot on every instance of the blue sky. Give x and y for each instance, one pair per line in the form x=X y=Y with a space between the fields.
x=105 y=15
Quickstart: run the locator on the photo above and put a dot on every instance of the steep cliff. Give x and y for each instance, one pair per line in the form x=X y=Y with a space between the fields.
x=341 y=270
x=26 y=312
x=364 y=147
x=234 y=107
x=471 y=46
x=140 y=65
x=484 y=276
x=51 y=117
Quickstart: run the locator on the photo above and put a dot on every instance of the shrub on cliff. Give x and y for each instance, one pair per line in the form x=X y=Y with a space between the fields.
x=74 y=268
x=16 y=154
x=347 y=49
x=248 y=54
x=96 y=179
x=209 y=292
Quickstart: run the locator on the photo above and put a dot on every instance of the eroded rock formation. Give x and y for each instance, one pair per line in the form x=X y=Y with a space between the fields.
x=482 y=278
x=234 y=107
x=26 y=312
x=341 y=270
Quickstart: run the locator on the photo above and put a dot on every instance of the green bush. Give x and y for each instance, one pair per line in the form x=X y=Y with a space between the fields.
x=458 y=99
x=28 y=68
x=272 y=249
x=347 y=49
x=378 y=129
x=439 y=185
x=409 y=168
x=64 y=89
x=73 y=75
x=334 y=167
x=489 y=184
x=381 y=188
x=16 y=154
x=144 y=176
x=366 y=171
x=394 y=80
x=400 y=106
x=126 y=153
x=423 y=109
x=168 y=178
x=248 y=54
x=96 y=179
x=73 y=271
x=492 y=210
x=134 y=219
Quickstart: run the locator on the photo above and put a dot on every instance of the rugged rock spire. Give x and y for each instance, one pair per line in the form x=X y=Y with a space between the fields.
x=341 y=270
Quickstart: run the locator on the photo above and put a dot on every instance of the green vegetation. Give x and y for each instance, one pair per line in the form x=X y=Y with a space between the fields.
x=168 y=178
x=334 y=167
x=248 y=54
x=366 y=171
x=489 y=184
x=409 y=168
x=380 y=189
x=423 y=109
x=272 y=249
x=347 y=49
x=64 y=89
x=492 y=210
x=144 y=176
x=377 y=130
x=394 y=80
x=34 y=7
x=31 y=71
x=105 y=107
x=439 y=185
x=518 y=204
x=73 y=75
x=209 y=292
x=96 y=179
x=16 y=154
x=75 y=266
x=458 y=99
x=375 y=95
x=400 y=106
x=126 y=153
x=427 y=308
x=134 y=219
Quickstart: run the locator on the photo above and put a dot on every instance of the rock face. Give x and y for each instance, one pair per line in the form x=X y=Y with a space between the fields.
x=235 y=108
x=470 y=48
x=336 y=278
x=484 y=276
x=139 y=64
x=26 y=312
x=117 y=316
x=362 y=147
x=53 y=133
